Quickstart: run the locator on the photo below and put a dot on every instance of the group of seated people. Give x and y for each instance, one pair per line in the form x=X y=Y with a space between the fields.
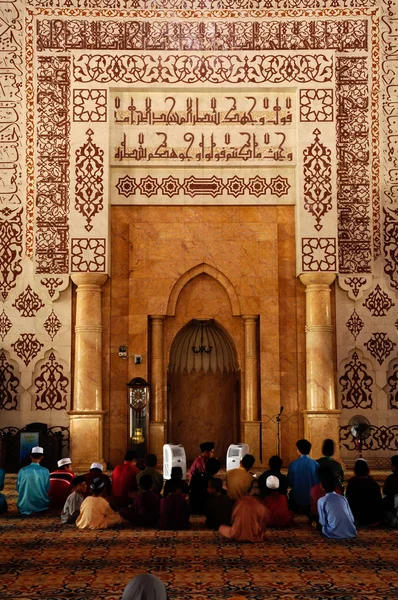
x=239 y=512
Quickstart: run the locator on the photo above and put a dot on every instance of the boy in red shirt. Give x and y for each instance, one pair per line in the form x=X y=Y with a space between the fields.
x=124 y=481
x=276 y=503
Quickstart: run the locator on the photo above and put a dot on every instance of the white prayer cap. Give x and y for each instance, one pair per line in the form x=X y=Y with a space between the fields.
x=37 y=450
x=96 y=466
x=64 y=461
x=272 y=482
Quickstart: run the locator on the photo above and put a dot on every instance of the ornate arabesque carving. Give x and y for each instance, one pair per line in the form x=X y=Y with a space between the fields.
x=381 y=438
x=317 y=173
x=51 y=386
x=356 y=384
x=378 y=302
x=355 y=324
x=392 y=383
x=28 y=303
x=89 y=175
x=9 y=384
x=10 y=248
x=27 y=347
x=5 y=325
x=52 y=325
x=380 y=346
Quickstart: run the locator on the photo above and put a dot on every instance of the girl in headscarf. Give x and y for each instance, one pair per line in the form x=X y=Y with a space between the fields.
x=145 y=587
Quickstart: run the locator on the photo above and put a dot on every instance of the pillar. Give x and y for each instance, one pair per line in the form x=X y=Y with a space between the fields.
x=157 y=413
x=251 y=422
x=87 y=416
x=321 y=419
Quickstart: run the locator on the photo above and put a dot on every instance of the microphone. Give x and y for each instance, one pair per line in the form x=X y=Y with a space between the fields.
x=281 y=411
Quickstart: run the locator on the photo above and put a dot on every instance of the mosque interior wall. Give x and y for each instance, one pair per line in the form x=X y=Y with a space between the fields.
x=84 y=192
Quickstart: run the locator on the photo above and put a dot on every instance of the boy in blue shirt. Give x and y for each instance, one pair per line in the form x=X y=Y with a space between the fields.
x=302 y=476
x=33 y=485
x=335 y=516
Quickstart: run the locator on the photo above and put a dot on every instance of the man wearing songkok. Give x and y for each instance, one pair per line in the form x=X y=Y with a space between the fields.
x=249 y=521
x=3 y=501
x=335 y=516
x=390 y=488
x=95 y=511
x=199 y=464
x=240 y=481
x=33 y=485
x=174 y=509
x=145 y=509
x=96 y=473
x=71 y=509
x=275 y=465
x=302 y=476
x=61 y=483
x=198 y=493
x=150 y=469
x=218 y=506
x=276 y=503
x=326 y=460
x=363 y=495
x=124 y=480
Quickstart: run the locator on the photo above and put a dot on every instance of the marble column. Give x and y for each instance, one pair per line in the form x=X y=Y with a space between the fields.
x=157 y=413
x=321 y=419
x=251 y=422
x=87 y=416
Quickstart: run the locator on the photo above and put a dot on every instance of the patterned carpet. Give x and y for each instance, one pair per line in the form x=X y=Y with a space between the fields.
x=39 y=559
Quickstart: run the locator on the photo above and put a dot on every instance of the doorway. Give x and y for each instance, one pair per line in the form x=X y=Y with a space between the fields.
x=203 y=383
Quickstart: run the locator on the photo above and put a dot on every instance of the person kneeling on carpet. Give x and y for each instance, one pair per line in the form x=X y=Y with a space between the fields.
x=219 y=506
x=174 y=509
x=145 y=587
x=145 y=509
x=71 y=509
x=249 y=521
x=276 y=503
x=95 y=511
x=335 y=516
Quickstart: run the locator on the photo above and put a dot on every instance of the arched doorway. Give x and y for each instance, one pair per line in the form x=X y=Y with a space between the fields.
x=203 y=382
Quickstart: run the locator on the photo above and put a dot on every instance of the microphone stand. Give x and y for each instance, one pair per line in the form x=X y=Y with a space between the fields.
x=278 y=430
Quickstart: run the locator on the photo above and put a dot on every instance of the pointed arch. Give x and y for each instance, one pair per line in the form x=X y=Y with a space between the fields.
x=194 y=272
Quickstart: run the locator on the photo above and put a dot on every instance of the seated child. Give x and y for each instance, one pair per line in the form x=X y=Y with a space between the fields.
x=219 y=506
x=249 y=521
x=363 y=495
x=144 y=511
x=198 y=486
x=390 y=488
x=3 y=501
x=335 y=516
x=275 y=465
x=174 y=509
x=176 y=473
x=318 y=492
x=391 y=516
x=276 y=503
x=71 y=509
x=95 y=511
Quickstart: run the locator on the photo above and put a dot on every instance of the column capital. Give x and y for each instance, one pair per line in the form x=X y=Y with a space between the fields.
x=250 y=317
x=81 y=279
x=317 y=279
x=157 y=317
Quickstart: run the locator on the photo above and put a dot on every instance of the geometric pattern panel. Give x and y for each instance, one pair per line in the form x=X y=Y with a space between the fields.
x=88 y=255
x=356 y=385
x=203 y=186
x=316 y=105
x=89 y=105
x=51 y=386
x=319 y=254
x=89 y=187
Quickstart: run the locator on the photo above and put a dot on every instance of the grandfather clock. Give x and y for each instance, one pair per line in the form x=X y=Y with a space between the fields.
x=138 y=407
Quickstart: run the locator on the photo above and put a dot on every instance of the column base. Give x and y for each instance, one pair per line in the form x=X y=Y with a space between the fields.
x=157 y=439
x=86 y=438
x=252 y=436
x=319 y=425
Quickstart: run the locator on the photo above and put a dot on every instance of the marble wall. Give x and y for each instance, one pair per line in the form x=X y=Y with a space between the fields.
x=93 y=93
